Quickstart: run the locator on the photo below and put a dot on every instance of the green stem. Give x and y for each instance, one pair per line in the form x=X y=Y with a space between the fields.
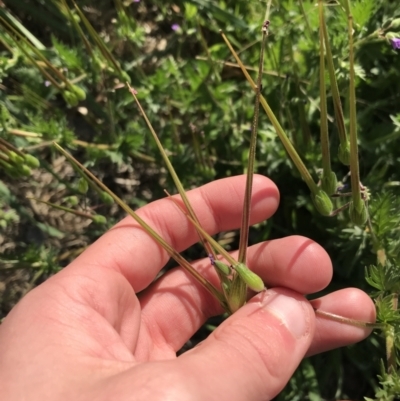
x=354 y=167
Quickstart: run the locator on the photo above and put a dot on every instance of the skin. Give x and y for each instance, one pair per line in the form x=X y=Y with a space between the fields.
x=103 y=329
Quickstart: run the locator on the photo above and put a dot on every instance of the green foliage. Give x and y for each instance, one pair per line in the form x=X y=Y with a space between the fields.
x=390 y=386
x=385 y=278
x=384 y=212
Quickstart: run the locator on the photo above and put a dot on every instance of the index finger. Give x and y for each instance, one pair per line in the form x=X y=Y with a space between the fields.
x=128 y=249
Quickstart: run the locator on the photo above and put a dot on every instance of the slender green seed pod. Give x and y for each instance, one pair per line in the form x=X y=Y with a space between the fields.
x=222 y=267
x=70 y=98
x=359 y=215
x=344 y=153
x=79 y=92
x=106 y=198
x=83 y=185
x=99 y=219
x=71 y=200
x=322 y=202
x=250 y=278
x=31 y=161
x=329 y=183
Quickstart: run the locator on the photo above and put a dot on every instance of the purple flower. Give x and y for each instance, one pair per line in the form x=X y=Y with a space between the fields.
x=136 y=1
x=47 y=83
x=395 y=43
x=175 y=27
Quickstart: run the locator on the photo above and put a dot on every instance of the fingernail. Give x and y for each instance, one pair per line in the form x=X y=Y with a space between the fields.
x=292 y=313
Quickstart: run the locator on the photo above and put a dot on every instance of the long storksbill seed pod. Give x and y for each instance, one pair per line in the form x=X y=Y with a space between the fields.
x=322 y=202
x=358 y=215
x=344 y=153
x=329 y=183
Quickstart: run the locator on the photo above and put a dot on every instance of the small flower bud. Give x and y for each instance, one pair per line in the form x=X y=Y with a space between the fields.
x=222 y=267
x=358 y=215
x=9 y=169
x=391 y=35
x=15 y=158
x=395 y=24
x=79 y=92
x=70 y=98
x=225 y=287
x=83 y=185
x=71 y=200
x=250 y=278
x=99 y=219
x=322 y=202
x=24 y=170
x=208 y=172
x=329 y=183
x=344 y=153
x=106 y=198
x=125 y=77
x=31 y=161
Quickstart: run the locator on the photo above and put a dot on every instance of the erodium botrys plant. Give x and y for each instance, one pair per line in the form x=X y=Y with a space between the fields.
x=372 y=216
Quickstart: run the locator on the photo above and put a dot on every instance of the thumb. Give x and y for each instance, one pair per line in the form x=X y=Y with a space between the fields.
x=253 y=354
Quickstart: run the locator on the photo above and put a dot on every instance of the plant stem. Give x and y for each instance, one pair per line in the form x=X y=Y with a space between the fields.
x=354 y=168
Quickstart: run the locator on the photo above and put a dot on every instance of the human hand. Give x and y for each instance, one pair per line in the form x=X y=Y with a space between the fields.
x=101 y=329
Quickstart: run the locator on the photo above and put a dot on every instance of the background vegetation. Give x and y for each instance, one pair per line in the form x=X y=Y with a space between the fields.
x=201 y=107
